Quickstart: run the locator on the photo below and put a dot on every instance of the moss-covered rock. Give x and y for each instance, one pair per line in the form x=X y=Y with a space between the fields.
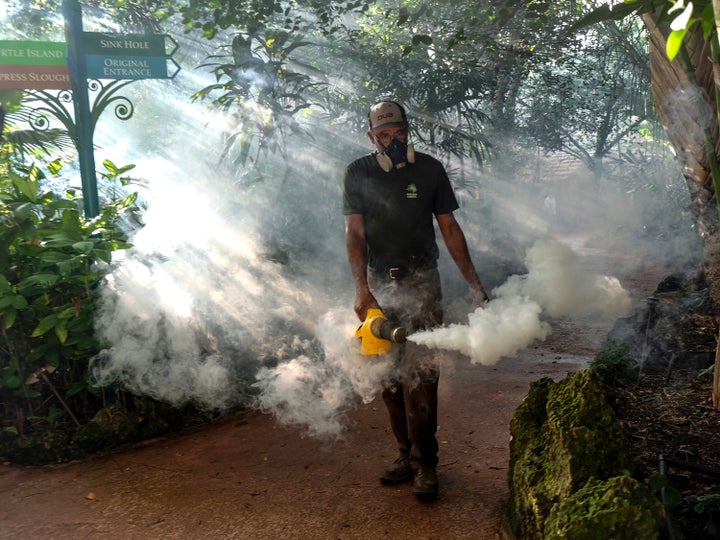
x=583 y=437
x=619 y=508
x=562 y=435
x=115 y=425
x=111 y=426
x=37 y=448
x=527 y=507
x=154 y=418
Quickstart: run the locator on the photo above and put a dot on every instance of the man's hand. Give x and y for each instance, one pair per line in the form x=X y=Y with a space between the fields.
x=479 y=297
x=363 y=302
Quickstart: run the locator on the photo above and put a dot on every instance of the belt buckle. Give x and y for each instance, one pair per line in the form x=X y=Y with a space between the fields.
x=395 y=272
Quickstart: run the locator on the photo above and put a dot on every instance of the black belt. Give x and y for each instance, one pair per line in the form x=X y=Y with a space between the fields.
x=399 y=272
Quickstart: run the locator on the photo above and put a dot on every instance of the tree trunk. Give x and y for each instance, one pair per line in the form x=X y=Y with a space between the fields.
x=688 y=113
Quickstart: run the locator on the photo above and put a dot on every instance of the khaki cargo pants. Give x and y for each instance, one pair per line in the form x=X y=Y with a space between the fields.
x=415 y=302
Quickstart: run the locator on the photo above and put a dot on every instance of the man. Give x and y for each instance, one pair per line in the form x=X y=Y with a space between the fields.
x=389 y=200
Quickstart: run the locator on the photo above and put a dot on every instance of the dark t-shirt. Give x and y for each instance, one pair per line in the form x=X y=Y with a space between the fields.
x=398 y=207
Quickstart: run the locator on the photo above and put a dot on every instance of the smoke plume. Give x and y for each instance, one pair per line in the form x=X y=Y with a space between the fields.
x=556 y=284
x=316 y=393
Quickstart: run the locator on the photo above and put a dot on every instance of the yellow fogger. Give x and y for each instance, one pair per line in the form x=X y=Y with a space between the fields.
x=377 y=333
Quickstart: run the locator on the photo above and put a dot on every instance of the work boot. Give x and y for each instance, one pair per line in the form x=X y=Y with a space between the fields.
x=400 y=471
x=425 y=485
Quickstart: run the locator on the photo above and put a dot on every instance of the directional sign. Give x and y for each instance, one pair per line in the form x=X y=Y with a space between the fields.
x=130 y=56
x=37 y=53
x=131 y=67
x=34 y=65
x=97 y=43
x=35 y=77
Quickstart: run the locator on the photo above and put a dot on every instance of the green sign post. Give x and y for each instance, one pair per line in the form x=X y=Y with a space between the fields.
x=81 y=101
x=96 y=55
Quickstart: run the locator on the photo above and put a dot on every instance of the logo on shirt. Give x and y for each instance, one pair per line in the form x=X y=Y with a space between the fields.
x=411 y=192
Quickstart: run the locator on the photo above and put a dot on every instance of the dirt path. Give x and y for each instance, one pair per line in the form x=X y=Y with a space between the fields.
x=245 y=477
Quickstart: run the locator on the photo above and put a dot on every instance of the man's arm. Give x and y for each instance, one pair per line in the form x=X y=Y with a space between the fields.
x=457 y=247
x=357 y=256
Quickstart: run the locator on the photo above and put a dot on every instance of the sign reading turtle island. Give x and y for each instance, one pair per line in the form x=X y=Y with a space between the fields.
x=129 y=56
x=33 y=64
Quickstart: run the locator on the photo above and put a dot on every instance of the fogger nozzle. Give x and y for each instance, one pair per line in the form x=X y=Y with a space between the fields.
x=382 y=328
x=377 y=333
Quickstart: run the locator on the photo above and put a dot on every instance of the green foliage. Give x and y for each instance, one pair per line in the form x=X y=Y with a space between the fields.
x=682 y=18
x=262 y=93
x=707 y=508
x=614 y=366
x=26 y=131
x=466 y=71
x=479 y=70
x=679 y=15
x=51 y=262
x=615 y=12
x=660 y=484
x=600 y=87
x=38 y=19
x=254 y=16
x=693 y=517
x=429 y=56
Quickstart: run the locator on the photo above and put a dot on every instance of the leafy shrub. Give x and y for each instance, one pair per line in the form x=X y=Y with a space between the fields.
x=614 y=366
x=51 y=262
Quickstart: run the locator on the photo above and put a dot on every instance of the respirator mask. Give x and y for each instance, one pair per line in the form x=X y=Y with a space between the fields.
x=392 y=152
x=397 y=154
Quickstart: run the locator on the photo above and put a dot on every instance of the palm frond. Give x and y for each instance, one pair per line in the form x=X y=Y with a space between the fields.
x=30 y=140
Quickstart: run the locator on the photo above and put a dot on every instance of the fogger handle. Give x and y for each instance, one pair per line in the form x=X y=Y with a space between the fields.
x=377 y=334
